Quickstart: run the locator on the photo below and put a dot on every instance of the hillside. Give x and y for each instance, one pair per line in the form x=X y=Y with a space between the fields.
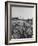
x=21 y=28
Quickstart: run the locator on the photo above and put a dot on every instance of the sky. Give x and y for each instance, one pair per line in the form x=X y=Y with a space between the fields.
x=22 y=12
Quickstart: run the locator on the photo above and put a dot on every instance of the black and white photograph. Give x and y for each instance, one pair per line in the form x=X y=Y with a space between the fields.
x=20 y=22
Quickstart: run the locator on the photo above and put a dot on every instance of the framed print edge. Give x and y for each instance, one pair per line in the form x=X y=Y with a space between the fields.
x=6 y=22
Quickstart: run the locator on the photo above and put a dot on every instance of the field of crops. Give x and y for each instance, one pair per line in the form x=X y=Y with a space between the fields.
x=21 y=28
